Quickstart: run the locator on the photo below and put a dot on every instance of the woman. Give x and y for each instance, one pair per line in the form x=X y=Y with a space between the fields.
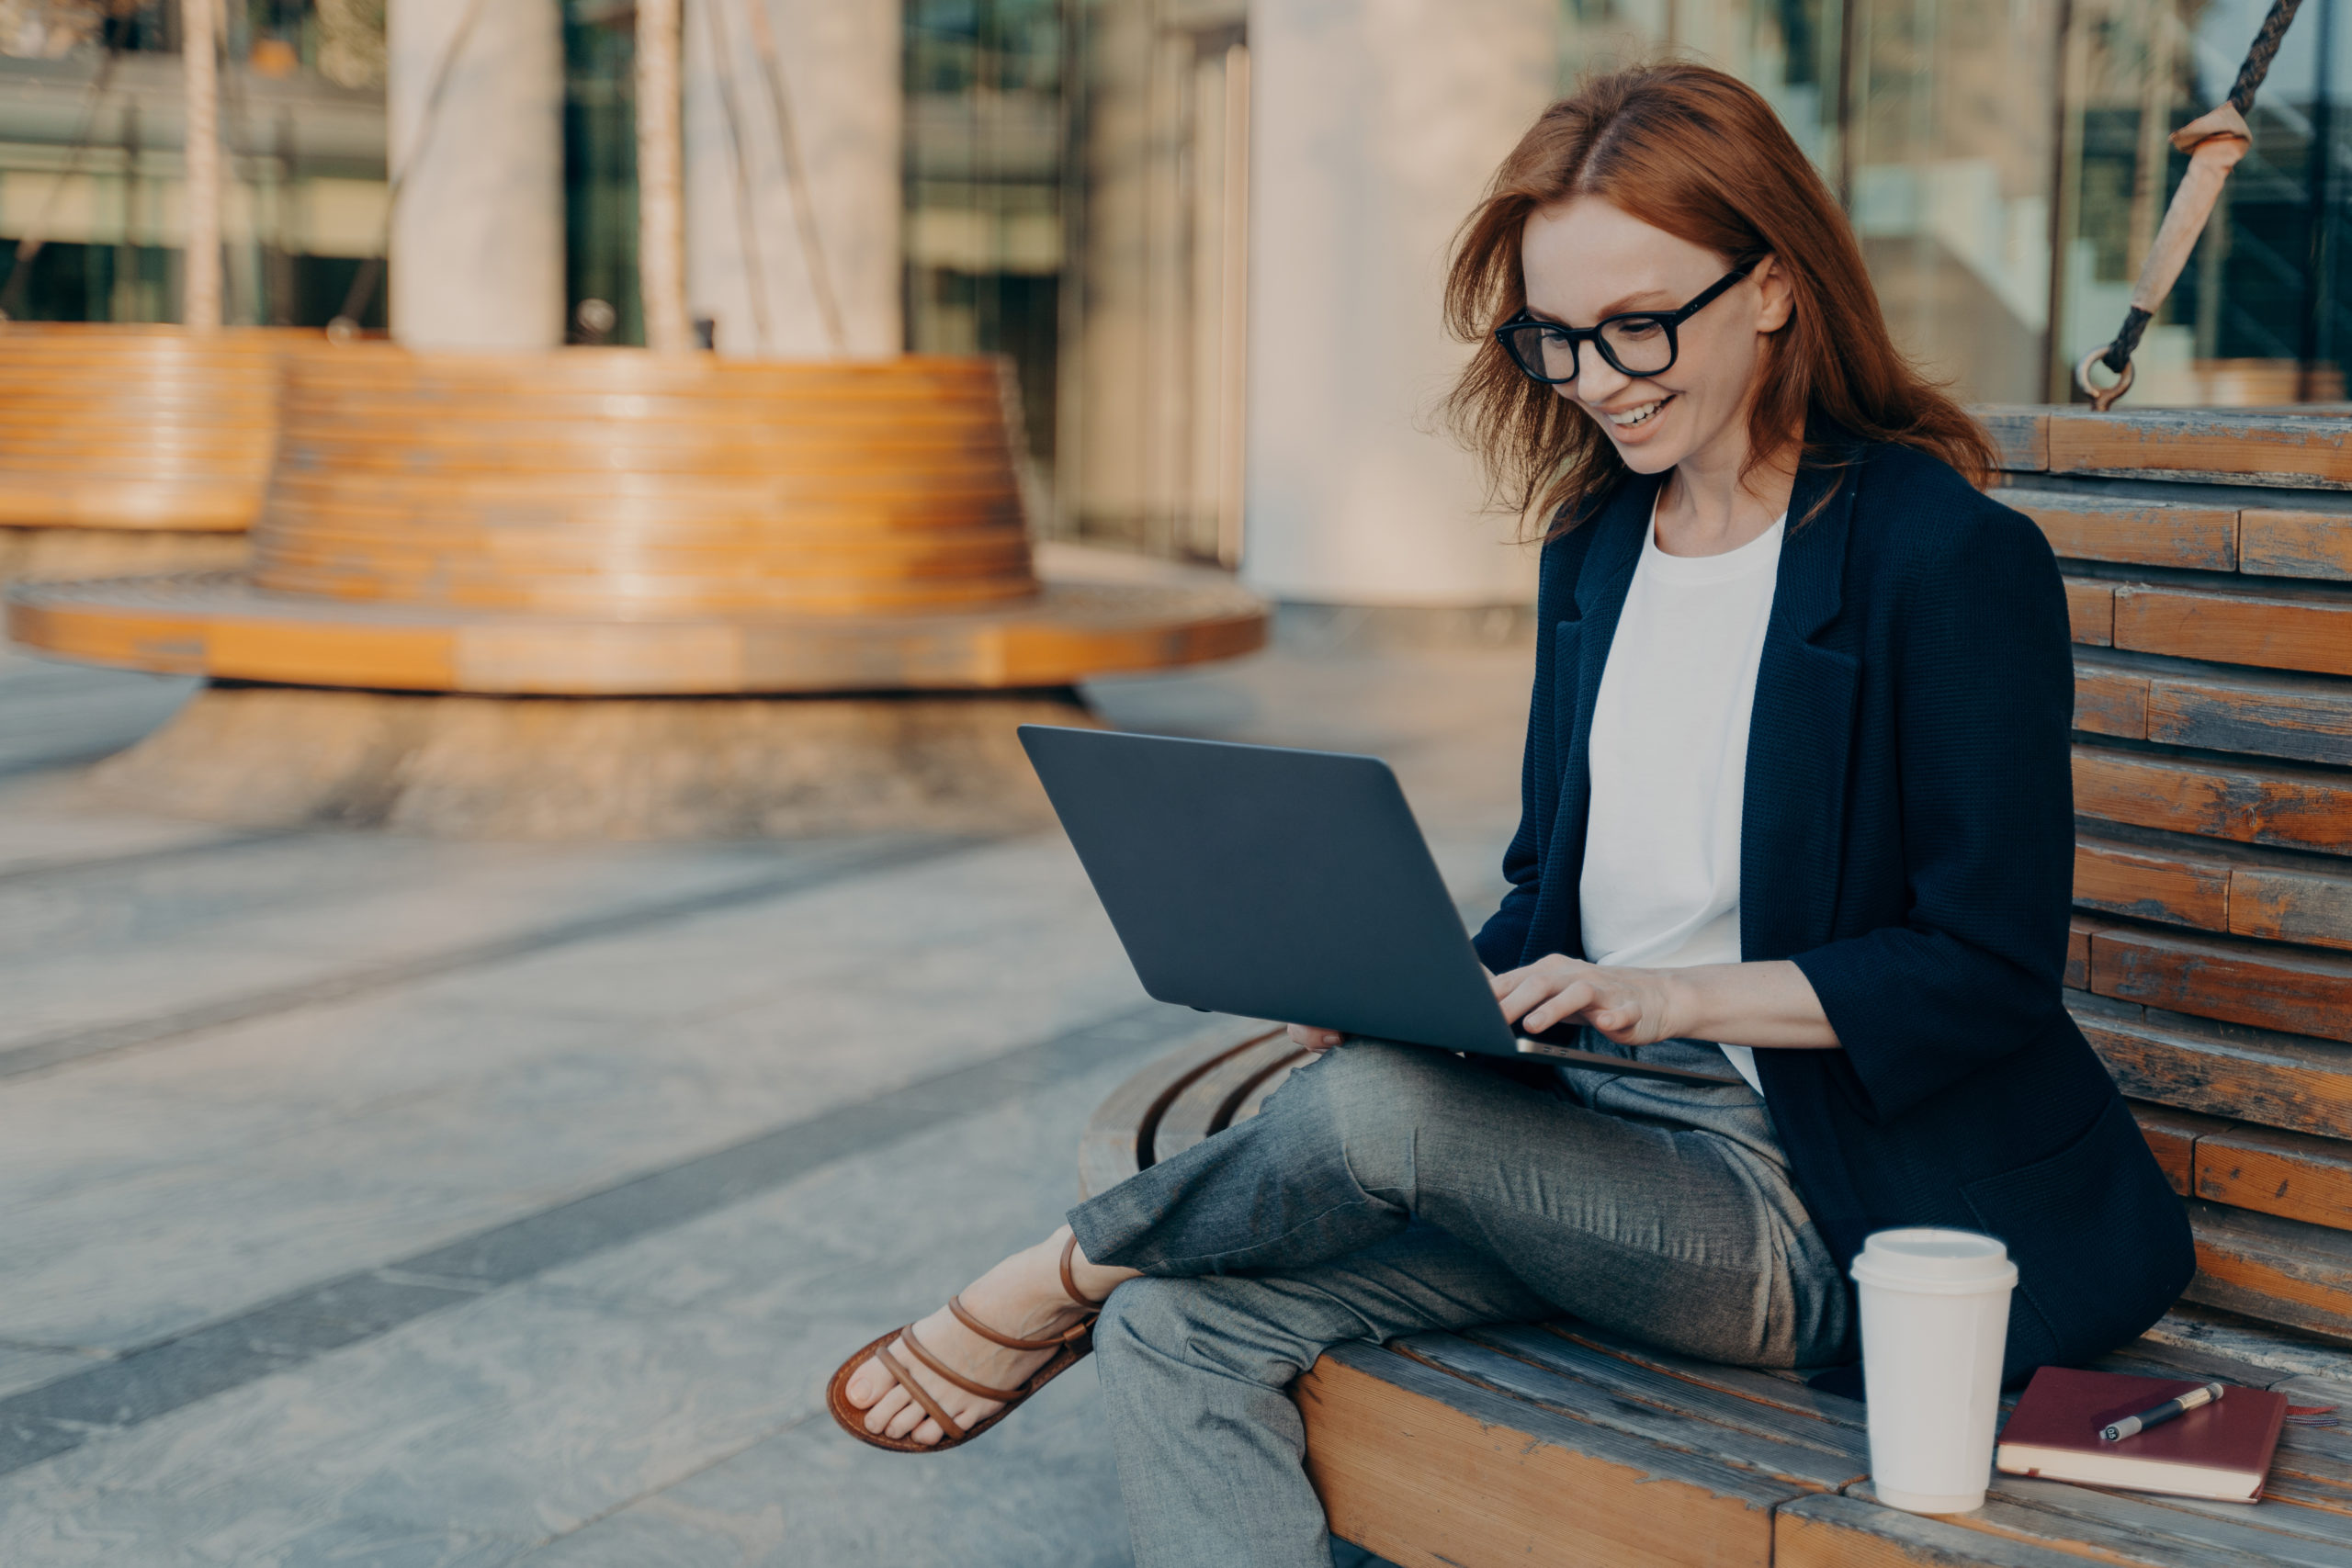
x=1796 y=795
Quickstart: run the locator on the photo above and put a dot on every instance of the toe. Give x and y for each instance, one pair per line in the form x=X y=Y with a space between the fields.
x=928 y=1434
x=885 y=1408
x=905 y=1421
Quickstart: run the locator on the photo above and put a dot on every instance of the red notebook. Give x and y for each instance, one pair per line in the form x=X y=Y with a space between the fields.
x=2220 y=1450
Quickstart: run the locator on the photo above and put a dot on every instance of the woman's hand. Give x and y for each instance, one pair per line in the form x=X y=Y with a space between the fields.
x=1631 y=1007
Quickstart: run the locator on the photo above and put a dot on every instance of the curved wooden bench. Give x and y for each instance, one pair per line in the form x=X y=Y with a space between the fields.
x=609 y=523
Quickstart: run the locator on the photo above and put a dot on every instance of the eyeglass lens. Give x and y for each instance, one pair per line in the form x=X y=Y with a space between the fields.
x=1637 y=345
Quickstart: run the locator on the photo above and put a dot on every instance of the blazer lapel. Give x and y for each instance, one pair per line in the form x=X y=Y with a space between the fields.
x=1793 y=811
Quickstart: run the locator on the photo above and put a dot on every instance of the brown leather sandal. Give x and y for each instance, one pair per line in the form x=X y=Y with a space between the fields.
x=1069 y=1347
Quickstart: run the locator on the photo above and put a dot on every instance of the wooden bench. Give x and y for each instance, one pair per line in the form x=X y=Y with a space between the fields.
x=2208 y=559
x=1559 y=1444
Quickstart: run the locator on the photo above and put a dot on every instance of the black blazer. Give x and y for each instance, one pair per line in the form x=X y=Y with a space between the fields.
x=1907 y=840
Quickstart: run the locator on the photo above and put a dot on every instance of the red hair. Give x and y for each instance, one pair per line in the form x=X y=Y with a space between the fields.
x=1701 y=155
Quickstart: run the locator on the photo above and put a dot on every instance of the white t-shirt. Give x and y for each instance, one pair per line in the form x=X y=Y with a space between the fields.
x=1668 y=761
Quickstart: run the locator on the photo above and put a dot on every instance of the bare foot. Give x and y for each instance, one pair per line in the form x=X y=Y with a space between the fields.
x=1021 y=1297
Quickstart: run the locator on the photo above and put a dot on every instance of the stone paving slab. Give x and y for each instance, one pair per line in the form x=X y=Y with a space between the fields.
x=335 y=1059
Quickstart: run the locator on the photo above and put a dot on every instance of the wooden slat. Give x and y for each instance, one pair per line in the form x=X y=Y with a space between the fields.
x=2216 y=886
x=1851 y=1533
x=2291 y=808
x=1207 y=1104
x=2178 y=886
x=2292 y=905
x=2268 y=985
x=2307 y=717
x=2180 y=1531
x=2305 y=451
x=1785 y=1391
x=2291 y=1175
x=2110 y=701
x=1710 y=1392
x=2091 y=612
x=2022 y=435
x=2252 y=1074
x=2280 y=542
x=2277 y=1270
x=1431 y=1471
x=2079 y=932
x=1818 y=1458
x=2172 y=1137
x=2278 y=629
x=2115 y=528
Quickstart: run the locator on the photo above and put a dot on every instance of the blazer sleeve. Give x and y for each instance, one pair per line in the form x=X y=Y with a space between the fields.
x=1982 y=703
x=1503 y=938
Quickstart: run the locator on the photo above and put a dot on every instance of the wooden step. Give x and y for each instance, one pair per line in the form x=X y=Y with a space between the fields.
x=2291 y=1175
x=2277 y=1270
x=2090 y=611
x=2301 y=717
x=2084 y=526
x=2304 y=451
x=2191 y=1064
x=2201 y=536
x=2020 y=435
x=2304 y=629
x=2268 y=985
x=2285 y=542
x=2172 y=1137
x=2214 y=886
x=1401 y=1453
x=2251 y=804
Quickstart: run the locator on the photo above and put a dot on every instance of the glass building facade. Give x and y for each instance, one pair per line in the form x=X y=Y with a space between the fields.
x=1076 y=193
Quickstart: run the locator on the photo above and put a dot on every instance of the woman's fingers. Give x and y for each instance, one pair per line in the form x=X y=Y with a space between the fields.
x=1314 y=1039
x=1566 y=1003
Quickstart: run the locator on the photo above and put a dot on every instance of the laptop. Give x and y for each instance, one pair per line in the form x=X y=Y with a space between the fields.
x=1279 y=884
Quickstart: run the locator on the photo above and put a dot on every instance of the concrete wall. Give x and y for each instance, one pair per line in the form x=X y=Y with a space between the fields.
x=477 y=237
x=1375 y=127
x=840 y=69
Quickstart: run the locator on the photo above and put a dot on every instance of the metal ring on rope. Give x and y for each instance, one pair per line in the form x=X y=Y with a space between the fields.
x=2102 y=397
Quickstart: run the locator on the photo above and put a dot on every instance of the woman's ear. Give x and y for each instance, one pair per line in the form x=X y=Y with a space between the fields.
x=1775 y=296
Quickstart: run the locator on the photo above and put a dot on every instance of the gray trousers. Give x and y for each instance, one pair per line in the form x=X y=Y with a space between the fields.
x=1384 y=1191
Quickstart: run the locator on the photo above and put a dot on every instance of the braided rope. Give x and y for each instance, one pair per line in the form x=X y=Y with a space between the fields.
x=2117 y=356
x=2259 y=57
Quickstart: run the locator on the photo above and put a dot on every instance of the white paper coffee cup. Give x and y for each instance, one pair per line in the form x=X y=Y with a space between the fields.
x=1934 y=1323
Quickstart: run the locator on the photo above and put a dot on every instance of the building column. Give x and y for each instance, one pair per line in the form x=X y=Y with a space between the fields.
x=1374 y=130
x=477 y=237
x=782 y=271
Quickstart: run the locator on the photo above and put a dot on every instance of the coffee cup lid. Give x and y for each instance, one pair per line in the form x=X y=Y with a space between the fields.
x=1929 y=1258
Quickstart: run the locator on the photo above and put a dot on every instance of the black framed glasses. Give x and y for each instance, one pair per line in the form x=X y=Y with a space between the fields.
x=1638 y=343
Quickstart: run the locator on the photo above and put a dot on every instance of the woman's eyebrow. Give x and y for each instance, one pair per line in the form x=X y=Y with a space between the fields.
x=1619 y=306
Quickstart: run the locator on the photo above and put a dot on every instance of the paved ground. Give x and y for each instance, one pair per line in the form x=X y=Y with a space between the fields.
x=383 y=1201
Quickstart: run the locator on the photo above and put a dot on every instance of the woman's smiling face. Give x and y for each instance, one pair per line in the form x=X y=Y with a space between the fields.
x=1584 y=259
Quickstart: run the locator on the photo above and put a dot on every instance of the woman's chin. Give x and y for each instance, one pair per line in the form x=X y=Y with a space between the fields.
x=1650 y=457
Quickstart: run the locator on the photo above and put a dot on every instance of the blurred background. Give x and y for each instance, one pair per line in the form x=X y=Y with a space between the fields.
x=1068 y=185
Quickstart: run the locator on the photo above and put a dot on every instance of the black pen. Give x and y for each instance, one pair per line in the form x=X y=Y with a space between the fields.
x=2162 y=1413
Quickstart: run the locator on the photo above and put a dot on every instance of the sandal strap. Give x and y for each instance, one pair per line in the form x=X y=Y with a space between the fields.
x=963 y=1315
x=1002 y=1395
x=1069 y=1284
x=915 y=1389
